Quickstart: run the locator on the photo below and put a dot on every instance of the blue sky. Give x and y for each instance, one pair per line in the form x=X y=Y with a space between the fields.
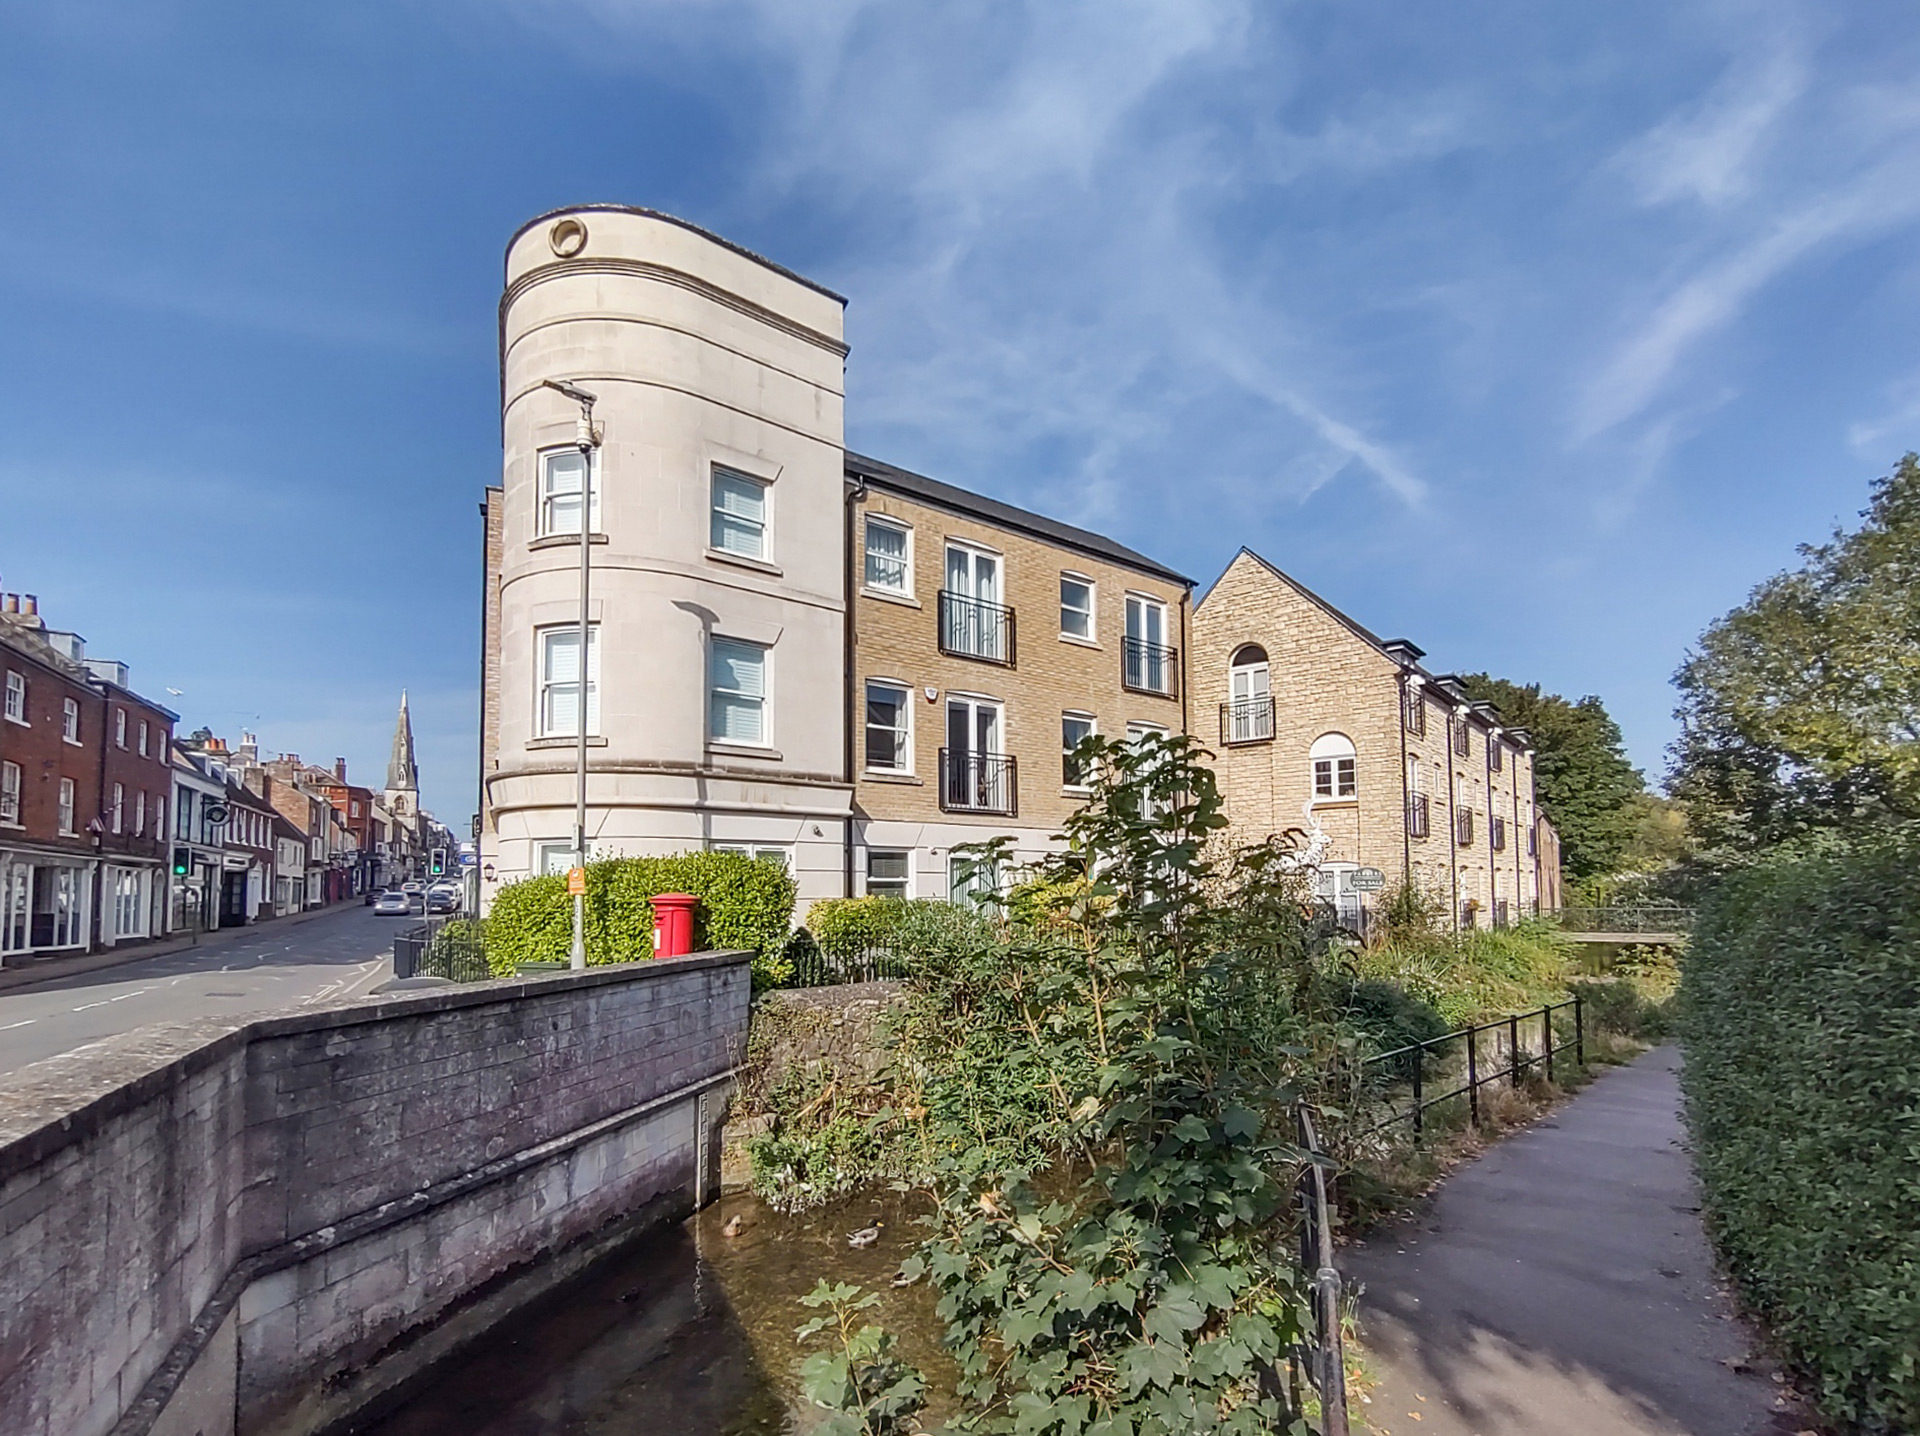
x=1537 y=334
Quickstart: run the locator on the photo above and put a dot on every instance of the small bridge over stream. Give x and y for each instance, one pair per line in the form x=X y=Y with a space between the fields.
x=1645 y=924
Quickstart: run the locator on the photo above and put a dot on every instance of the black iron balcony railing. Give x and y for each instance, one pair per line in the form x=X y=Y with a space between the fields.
x=1419 y=816
x=975 y=628
x=978 y=783
x=1497 y=834
x=1463 y=827
x=1148 y=667
x=1247 y=720
x=1413 y=713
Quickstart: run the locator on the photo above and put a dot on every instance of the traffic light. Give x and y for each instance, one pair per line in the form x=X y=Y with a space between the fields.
x=437 y=864
x=182 y=862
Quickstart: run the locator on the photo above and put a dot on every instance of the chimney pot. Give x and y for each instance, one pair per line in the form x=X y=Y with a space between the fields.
x=29 y=604
x=10 y=603
x=340 y=769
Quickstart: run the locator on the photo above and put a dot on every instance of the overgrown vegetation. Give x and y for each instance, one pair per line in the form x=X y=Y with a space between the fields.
x=744 y=903
x=1098 y=1087
x=1803 y=1091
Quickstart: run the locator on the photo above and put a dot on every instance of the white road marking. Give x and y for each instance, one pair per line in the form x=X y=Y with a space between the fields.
x=27 y=1023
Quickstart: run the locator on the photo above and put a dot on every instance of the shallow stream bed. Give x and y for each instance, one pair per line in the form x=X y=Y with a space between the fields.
x=687 y=1330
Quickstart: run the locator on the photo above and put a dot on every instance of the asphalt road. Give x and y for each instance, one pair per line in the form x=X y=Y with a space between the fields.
x=1562 y=1284
x=265 y=969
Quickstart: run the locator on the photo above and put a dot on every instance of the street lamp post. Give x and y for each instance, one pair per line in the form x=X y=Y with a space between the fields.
x=586 y=440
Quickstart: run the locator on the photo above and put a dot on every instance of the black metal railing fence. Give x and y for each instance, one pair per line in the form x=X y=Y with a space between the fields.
x=1320 y=1358
x=1625 y=917
x=453 y=949
x=1415 y=1062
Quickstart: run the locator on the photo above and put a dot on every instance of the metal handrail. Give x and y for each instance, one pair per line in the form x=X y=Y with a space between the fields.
x=1247 y=720
x=1325 y=1362
x=976 y=628
x=1148 y=667
x=1519 y=1066
x=979 y=783
x=1625 y=917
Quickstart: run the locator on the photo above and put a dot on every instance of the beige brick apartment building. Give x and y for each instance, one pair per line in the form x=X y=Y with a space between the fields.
x=832 y=663
x=987 y=643
x=1326 y=729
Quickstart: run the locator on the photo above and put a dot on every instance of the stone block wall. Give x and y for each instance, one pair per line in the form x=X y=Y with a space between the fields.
x=308 y=1193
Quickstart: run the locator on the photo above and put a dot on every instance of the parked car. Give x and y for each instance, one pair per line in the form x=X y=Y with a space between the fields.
x=392 y=905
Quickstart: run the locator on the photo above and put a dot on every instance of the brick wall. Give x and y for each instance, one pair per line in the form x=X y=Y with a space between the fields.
x=1325 y=679
x=898 y=639
x=45 y=756
x=334 y=1186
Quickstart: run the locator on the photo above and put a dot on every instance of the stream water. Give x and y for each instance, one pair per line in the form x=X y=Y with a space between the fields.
x=687 y=1330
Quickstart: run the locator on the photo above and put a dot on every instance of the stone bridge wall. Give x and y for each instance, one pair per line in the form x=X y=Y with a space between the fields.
x=209 y=1230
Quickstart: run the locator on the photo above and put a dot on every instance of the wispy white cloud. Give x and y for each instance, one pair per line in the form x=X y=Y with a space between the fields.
x=1708 y=152
x=1049 y=177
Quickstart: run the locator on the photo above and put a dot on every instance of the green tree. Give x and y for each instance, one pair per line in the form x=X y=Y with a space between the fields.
x=1589 y=789
x=1800 y=709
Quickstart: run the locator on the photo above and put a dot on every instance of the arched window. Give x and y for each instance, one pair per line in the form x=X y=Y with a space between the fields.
x=1249 y=715
x=1335 y=770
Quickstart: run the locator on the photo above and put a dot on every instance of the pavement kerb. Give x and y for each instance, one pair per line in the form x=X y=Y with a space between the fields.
x=12 y=978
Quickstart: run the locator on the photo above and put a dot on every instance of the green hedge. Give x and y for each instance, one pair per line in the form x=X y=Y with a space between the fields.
x=1802 y=1017
x=744 y=903
x=850 y=928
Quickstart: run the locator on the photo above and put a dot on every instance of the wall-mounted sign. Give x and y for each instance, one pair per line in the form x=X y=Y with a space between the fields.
x=1368 y=880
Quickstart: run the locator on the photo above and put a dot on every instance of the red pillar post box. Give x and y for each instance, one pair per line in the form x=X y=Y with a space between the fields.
x=673 y=924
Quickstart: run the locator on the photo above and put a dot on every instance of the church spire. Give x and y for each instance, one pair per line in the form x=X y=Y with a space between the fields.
x=403 y=775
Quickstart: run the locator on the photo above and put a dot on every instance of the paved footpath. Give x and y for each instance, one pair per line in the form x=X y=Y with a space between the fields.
x=275 y=965
x=1561 y=1286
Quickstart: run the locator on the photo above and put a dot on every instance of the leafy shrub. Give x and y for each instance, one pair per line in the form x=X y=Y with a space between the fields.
x=744 y=903
x=1802 y=1022
x=1389 y=1017
x=850 y=928
x=1618 y=1004
x=1473 y=975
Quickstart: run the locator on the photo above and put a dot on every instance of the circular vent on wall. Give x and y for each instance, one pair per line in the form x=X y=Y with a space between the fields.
x=567 y=237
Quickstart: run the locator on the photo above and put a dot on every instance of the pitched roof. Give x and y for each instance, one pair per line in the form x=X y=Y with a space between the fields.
x=947 y=496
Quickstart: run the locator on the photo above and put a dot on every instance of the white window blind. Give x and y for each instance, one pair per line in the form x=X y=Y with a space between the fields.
x=737 y=680
x=560 y=682
x=739 y=514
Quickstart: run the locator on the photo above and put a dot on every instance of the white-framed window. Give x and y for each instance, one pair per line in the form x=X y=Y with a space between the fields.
x=974 y=622
x=1147 y=660
x=739 y=514
x=1076 y=606
x=551 y=858
x=120 y=727
x=140 y=813
x=159 y=816
x=737 y=691
x=119 y=807
x=9 y=792
x=889 y=872
x=1335 y=768
x=889 y=727
x=70 y=719
x=16 y=701
x=889 y=556
x=561 y=474
x=66 y=806
x=560 y=681
x=1249 y=717
x=1496 y=754
x=1075 y=729
x=143 y=738
x=759 y=852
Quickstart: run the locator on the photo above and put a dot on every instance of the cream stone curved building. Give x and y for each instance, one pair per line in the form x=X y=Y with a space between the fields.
x=717 y=555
